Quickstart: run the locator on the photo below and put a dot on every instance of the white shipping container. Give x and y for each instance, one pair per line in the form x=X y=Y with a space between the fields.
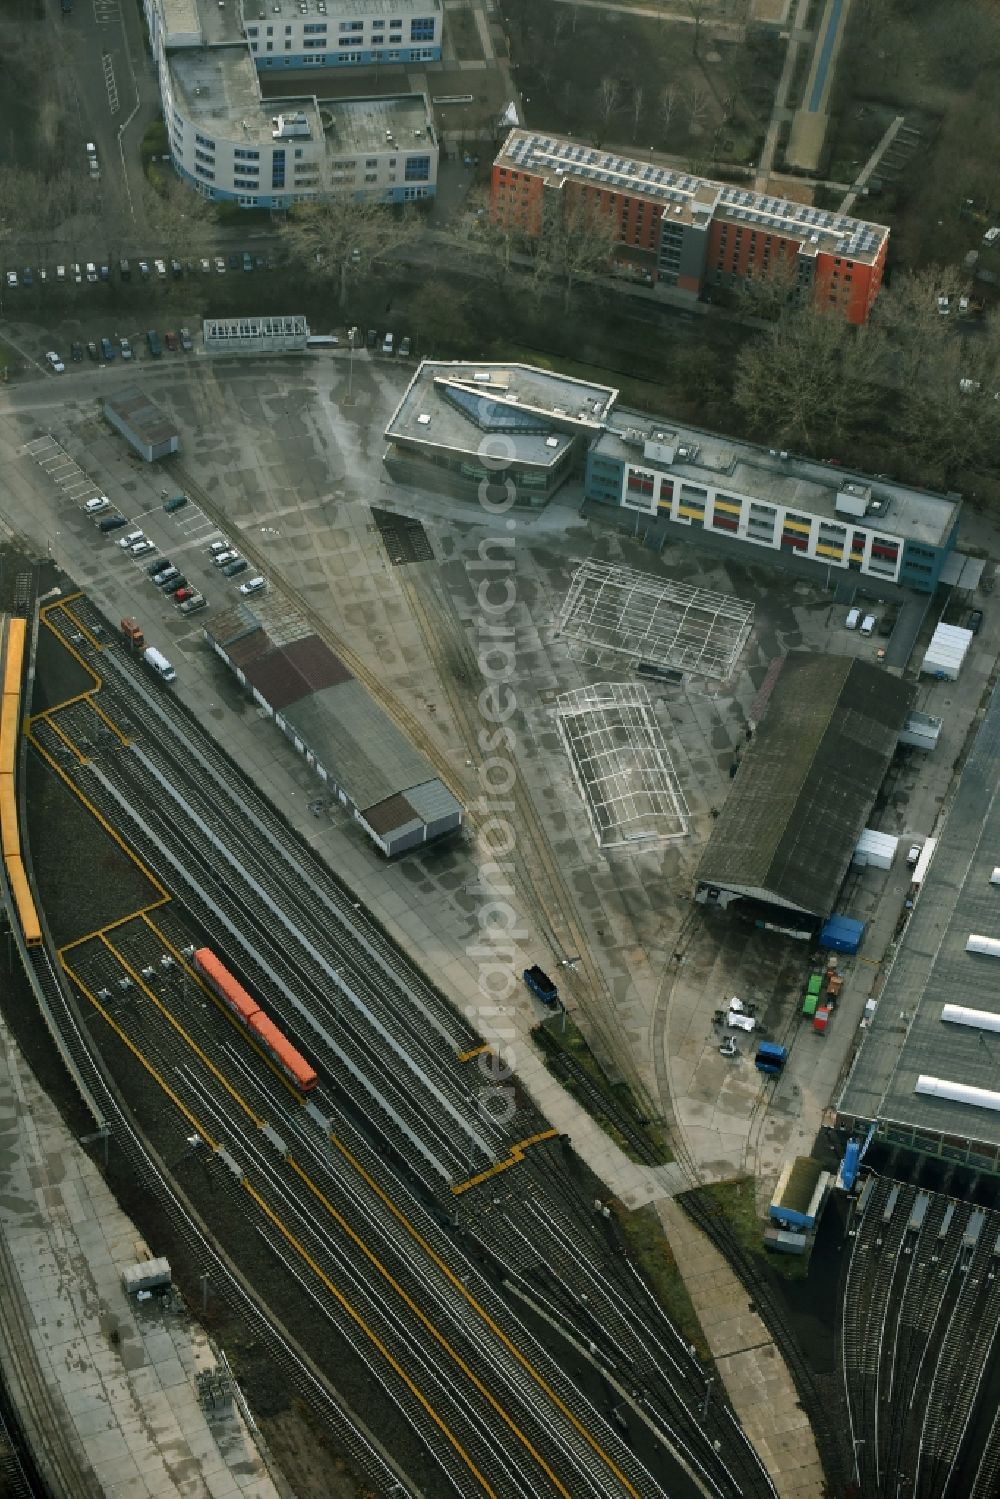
x=875 y=850
x=146 y=1275
x=987 y=945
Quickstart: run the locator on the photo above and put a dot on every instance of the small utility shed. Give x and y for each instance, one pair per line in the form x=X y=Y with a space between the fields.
x=784 y=840
x=142 y=424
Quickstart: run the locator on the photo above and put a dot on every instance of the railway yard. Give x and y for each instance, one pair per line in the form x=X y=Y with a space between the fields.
x=490 y=1319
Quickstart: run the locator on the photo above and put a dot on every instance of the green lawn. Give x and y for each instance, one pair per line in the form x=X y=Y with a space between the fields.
x=650 y=1247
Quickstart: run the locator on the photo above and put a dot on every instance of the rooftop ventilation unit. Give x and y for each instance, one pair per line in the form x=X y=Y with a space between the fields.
x=423 y=419
x=552 y=442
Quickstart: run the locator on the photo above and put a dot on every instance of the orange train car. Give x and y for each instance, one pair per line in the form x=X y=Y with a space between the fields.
x=14 y=662
x=10 y=836
x=250 y=1014
x=10 y=723
x=21 y=892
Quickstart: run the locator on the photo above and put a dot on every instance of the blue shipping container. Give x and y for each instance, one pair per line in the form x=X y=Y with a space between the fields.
x=842 y=934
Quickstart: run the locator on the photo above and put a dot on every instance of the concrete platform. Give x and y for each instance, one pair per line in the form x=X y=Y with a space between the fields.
x=106 y=1387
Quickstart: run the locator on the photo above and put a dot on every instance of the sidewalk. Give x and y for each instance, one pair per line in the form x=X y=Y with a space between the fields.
x=750 y=1365
x=105 y=1387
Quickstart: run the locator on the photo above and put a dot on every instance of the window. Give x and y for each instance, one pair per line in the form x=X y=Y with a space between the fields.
x=204 y=156
x=371 y=162
x=417 y=169
x=204 y=141
x=253 y=31
x=314 y=27
x=422 y=30
x=371 y=176
x=270 y=31
x=204 y=172
x=248 y=202
x=352 y=25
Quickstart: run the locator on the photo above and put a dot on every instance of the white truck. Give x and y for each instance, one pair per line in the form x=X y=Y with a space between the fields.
x=159 y=664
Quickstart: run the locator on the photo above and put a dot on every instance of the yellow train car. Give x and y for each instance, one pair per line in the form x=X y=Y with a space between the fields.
x=27 y=915
x=10 y=835
x=14 y=661
x=10 y=723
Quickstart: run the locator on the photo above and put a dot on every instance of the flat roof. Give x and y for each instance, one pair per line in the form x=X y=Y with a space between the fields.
x=145 y=419
x=798 y=483
x=681 y=194
x=538 y=411
x=907 y=1036
x=362 y=124
x=334 y=10
x=221 y=92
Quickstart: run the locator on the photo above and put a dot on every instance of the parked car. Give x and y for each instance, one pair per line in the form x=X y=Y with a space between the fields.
x=170 y=339
x=92 y=351
x=104 y=272
x=187 y=342
x=43 y=274
x=247 y=261
x=220 y=265
x=60 y=273
x=26 y=276
x=76 y=351
x=914 y=854
x=112 y=523
x=55 y=363
x=96 y=504
x=371 y=338
x=219 y=546
x=12 y=279
x=144 y=269
x=387 y=344
x=159 y=565
x=206 y=266
x=168 y=575
x=176 y=269
x=196 y=601
x=124 y=270
x=974 y=621
x=252 y=585
x=234 y=261
x=260 y=263
x=176 y=502
x=131 y=539
x=183 y=594
x=221 y=558
x=107 y=350
x=91 y=271
x=853 y=619
x=126 y=348
x=160 y=267
x=232 y=568
x=179 y=582
x=153 y=343
x=141 y=548
x=77 y=273
x=404 y=348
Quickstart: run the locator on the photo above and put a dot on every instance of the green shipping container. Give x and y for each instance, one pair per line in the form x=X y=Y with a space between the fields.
x=809 y=1004
x=815 y=984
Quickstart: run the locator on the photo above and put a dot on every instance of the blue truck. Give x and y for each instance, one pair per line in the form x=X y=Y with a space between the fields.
x=771 y=1058
x=540 y=984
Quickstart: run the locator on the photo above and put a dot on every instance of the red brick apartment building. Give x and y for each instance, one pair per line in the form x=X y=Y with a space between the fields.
x=690 y=232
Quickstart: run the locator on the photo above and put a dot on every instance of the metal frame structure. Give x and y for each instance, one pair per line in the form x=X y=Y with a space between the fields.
x=621 y=765
x=655 y=619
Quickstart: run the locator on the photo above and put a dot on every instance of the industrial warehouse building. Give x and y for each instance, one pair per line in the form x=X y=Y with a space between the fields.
x=688 y=232
x=143 y=425
x=523 y=432
x=784 y=840
x=926 y=1073
x=354 y=747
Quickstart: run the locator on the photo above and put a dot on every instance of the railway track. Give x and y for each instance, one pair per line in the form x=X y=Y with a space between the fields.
x=301 y=939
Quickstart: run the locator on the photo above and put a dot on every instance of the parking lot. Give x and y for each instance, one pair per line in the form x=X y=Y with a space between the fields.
x=283 y=458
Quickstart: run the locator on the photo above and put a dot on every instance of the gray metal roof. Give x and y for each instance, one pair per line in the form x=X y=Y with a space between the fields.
x=907 y=1035
x=146 y=420
x=807 y=783
x=351 y=735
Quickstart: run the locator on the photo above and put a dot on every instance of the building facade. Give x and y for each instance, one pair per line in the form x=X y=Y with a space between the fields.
x=232 y=145
x=687 y=479
x=671 y=228
x=342 y=33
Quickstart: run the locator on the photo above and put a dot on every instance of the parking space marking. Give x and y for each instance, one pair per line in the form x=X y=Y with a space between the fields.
x=109 y=81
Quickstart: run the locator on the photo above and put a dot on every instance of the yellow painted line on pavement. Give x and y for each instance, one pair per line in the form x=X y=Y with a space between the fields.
x=476 y=1051
x=107 y=719
x=164 y=894
x=369 y=1333
x=430 y=1327
x=516 y=1156
x=185 y=1035
x=144 y=1061
x=68 y=703
x=494 y=1327
x=68 y=645
x=79 y=623
x=223 y=1008
x=67 y=741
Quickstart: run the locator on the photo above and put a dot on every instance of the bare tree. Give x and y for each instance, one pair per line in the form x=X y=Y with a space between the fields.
x=696 y=102
x=697 y=9
x=578 y=242
x=667 y=103
x=339 y=239
x=637 y=98
x=178 y=216
x=494 y=235
x=810 y=378
x=608 y=93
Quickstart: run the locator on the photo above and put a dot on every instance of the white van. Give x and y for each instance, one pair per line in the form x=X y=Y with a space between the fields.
x=868 y=624
x=851 y=622
x=160 y=664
